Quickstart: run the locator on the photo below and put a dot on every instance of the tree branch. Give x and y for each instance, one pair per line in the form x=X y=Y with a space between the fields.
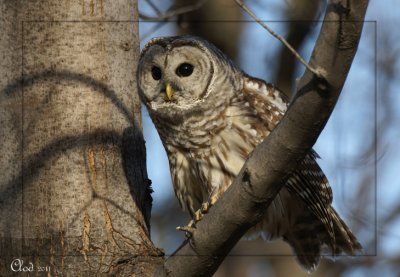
x=272 y=162
x=174 y=12
x=300 y=14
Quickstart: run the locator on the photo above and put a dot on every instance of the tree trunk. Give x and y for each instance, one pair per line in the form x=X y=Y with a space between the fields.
x=74 y=194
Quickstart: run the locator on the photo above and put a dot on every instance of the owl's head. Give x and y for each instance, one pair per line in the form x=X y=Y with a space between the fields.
x=177 y=75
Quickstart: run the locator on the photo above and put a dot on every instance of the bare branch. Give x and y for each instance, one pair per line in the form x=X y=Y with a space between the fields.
x=273 y=161
x=317 y=72
x=174 y=12
x=154 y=7
x=297 y=32
x=151 y=31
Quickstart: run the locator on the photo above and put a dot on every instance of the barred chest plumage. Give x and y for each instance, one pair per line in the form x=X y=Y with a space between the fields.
x=205 y=155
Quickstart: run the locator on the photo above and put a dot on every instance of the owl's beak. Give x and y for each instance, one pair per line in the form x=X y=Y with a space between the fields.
x=169 y=91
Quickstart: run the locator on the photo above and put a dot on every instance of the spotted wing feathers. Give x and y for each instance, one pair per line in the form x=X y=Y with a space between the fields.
x=316 y=224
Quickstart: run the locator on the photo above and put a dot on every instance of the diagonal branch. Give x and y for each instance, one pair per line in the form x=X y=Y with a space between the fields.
x=272 y=162
x=153 y=6
x=174 y=12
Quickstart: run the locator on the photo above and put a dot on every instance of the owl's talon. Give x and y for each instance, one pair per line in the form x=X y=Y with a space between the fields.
x=198 y=215
x=192 y=224
x=188 y=229
x=205 y=207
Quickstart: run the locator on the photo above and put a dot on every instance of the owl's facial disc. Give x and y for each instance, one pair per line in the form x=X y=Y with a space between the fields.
x=175 y=77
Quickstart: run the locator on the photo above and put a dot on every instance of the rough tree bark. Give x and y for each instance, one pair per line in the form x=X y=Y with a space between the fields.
x=74 y=194
x=272 y=162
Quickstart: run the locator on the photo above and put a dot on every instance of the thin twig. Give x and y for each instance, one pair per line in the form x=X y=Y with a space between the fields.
x=151 y=31
x=281 y=39
x=174 y=12
x=154 y=7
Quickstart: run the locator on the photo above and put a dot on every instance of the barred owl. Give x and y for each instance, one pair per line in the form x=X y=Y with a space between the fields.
x=210 y=115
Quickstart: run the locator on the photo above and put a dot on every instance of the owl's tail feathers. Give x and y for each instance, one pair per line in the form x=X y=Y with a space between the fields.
x=308 y=237
x=346 y=241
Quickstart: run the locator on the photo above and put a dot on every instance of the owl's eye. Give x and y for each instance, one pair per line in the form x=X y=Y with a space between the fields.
x=184 y=70
x=156 y=73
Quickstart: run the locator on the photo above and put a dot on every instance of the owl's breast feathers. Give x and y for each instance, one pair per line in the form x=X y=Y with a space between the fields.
x=207 y=151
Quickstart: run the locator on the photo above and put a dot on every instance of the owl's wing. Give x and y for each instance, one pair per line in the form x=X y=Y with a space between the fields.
x=271 y=104
x=308 y=182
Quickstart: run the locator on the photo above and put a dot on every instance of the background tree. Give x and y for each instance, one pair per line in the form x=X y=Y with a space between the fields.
x=211 y=20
